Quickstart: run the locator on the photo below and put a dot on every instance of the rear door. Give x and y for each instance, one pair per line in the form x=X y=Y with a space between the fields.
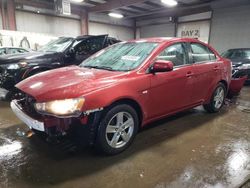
x=206 y=69
x=172 y=91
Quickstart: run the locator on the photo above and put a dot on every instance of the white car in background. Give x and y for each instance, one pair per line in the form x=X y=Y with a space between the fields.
x=12 y=50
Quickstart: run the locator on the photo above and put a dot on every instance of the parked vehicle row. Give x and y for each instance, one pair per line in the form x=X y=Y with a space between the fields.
x=12 y=50
x=122 y=88
x=59 y=53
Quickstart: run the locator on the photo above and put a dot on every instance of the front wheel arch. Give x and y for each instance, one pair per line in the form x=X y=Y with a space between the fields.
x=131 y=103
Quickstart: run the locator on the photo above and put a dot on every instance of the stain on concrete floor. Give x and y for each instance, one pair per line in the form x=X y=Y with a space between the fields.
x=191 y=149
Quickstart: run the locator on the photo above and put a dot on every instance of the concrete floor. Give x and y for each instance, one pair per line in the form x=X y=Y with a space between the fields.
x=191 y=149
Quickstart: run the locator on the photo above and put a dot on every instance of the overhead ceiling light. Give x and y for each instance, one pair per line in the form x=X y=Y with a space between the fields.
x=170 y=3
x=115 y=15
x=77 y=1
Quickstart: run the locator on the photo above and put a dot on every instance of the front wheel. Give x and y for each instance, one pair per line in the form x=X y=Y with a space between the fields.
x=117 y=129
x=217 y=99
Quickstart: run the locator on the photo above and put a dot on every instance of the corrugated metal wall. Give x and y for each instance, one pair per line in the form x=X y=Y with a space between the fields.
x=30 y=22
x=161 y=30
x=119 y=32
x=230 y=28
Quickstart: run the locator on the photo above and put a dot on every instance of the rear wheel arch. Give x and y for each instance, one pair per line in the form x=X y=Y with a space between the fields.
x=225 y=83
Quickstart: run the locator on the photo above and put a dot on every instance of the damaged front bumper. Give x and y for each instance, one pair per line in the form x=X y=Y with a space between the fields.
x=8 y=80
x=30 y=122
x=86 y=125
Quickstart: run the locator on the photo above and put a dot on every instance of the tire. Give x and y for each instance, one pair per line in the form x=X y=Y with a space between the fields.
x=217 y=99
x=113 y=135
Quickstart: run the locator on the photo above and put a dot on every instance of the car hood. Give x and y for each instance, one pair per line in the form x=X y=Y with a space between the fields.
x=240 y=61
x=68 y=82
x=29 y=56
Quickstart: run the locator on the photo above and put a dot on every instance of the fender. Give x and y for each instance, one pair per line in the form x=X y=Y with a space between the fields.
x=129 y=90
x=31 y=70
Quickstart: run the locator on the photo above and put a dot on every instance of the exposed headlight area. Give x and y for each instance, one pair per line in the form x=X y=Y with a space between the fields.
x=244 y=66
x=15 y=66
x=61 y=108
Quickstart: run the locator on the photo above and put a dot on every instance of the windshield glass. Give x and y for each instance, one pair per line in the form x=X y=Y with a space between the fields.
x=237 y=53
x=58 y=45
x=121 y=57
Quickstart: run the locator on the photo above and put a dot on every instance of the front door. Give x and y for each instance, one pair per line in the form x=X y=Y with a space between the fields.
x=84 y=48
x=172 y=91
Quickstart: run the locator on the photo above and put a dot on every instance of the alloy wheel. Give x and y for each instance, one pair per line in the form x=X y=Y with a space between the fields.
x=219 y=97
x=120 y=129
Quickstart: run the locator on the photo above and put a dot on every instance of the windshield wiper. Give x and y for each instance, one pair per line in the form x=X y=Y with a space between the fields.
x=99 y=67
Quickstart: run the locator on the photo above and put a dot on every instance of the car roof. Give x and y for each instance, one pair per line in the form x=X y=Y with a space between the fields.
x=13 y=47
x=164 y=39
x=239 y=49
x=89 y=36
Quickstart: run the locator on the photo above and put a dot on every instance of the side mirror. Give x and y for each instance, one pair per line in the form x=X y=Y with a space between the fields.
x=161 y=66
x=71 y=52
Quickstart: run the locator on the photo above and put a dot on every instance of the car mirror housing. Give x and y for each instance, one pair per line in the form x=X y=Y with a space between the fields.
x=71 y=52
x=161 y=66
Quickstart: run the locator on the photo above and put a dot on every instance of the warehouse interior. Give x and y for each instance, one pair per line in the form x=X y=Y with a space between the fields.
x=191 y=148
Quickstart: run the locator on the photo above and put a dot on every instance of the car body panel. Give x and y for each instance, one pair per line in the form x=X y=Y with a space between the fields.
x=157 y=95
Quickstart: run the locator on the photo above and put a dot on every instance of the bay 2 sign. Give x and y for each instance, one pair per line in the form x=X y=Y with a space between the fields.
x=198 y=30
x=191 y=33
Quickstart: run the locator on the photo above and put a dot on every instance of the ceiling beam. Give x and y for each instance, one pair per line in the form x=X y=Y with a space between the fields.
x=38 y=4
x=114 y=4
x=174 y=12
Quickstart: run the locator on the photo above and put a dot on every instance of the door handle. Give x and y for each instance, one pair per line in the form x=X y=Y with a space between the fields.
x=189 y=74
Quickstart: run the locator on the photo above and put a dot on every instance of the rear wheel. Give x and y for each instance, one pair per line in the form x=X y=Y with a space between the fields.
x=117 y=129
x=217 y=99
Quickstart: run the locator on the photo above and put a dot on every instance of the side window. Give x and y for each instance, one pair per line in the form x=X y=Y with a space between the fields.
x=212 y=56
x=13 y=50
x=201 y=53
x=175 y=53
x=2 y=51
x=21 y=50
x=90 y=46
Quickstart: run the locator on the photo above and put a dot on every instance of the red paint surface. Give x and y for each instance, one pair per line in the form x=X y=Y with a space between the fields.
x=237 y=84
x=158 y=95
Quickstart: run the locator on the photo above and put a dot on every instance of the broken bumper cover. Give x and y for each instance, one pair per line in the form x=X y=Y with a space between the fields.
x=30 y=122
x=85 y=126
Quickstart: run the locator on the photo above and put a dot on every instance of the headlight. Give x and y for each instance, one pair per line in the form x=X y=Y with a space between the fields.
x=67 y=107
x=244 y=66
x=17 y=65
x=13 y=66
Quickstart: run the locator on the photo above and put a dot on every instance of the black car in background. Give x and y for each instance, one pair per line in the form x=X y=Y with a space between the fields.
x=240 y=58
x=62 y=52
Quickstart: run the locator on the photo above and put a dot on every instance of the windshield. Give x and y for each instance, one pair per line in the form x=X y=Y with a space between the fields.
x=237 y=53
x=121 y=57
x=58 y=45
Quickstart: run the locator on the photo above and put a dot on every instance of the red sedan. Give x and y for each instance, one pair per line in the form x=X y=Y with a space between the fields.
x=122 y=88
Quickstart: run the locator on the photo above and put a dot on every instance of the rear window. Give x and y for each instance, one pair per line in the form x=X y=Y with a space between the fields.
x=237 y=53
x=201 y=53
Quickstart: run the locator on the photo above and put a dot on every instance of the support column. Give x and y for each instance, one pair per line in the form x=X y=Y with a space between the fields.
x=11 y=15
x=84 y=23
x=3 y=13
